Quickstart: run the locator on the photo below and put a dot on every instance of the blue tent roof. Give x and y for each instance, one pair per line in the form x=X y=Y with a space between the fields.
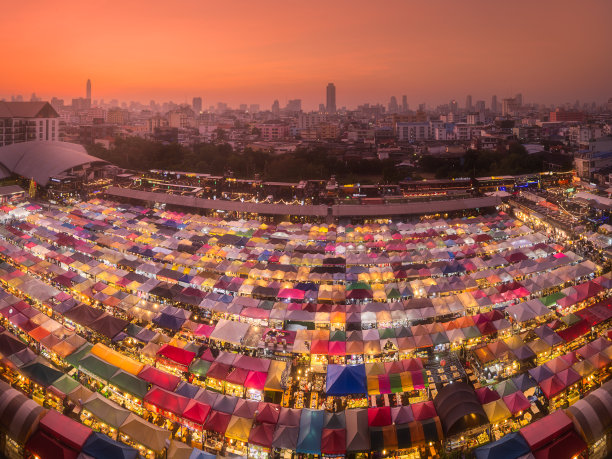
x=346 y=379
x=524 y=382
x=511 y=446
x=170 y=322
x=311 y=428
x=199 y=454
x=100 y=446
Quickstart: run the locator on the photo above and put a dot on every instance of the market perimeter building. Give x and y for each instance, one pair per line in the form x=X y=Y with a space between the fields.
x=315 y=212
x=48 y=163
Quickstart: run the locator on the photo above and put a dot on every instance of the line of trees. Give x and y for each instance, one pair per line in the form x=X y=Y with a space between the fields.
x=140 y=154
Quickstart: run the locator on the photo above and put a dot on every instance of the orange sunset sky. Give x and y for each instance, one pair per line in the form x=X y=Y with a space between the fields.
x=255 y=51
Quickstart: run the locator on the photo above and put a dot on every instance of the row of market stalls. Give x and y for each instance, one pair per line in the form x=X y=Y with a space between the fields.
x=29 y=430
x=583 y=428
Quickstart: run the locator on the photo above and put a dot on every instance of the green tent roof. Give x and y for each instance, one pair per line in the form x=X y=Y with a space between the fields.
x=73 y=359
x=550 y=300
x=129 y=383
x=359 y=286
x=200 y=367
x=41 y=374
x=97 y=367
x=386 y=333
x=65 y=384
x=337 y=335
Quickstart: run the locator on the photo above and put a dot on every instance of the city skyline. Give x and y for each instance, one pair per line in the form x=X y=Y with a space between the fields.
x=252 y=54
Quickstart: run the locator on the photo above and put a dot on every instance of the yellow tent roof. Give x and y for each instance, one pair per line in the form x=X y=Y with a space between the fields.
x=239 y=428
x=496 y=411
x=115 y=358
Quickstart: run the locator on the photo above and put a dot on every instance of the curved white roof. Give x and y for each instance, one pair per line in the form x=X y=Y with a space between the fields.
x=43 y=160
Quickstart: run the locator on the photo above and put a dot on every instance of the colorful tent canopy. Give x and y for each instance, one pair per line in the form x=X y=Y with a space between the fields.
x=542 y=431
x=510 y=446
x=100 y=446
x=346 y=379
x=68 y=431
x=311 y=426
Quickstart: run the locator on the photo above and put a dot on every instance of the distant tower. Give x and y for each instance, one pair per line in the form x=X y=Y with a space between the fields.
x=331 y=98
x=393 y=107
x=197 y=105
x=468 y=103
x=494 y=107
x=519 y=100
x=404 y=104
x=453 y=106
x=276 y=109
x=88 y=90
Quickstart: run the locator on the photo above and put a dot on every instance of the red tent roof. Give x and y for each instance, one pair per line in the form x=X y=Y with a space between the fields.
x=217 y=421
x=196 y=411
x=333 y=441
x=542 y=431
x=68 y=431
x=319 y=346
x=218 y=371
x=268 y=412
x=337 y=348
x=42 y=445
x=159 y=378
x=237 y=376
x=168 y=401
x=176 y=354
x=486 y=395
x=517 y=402
x=262 y=434
x=569 y=445
x=256 y=380
x=204 y=330
x=552 y=386
x=379 y=416
x=424 y=410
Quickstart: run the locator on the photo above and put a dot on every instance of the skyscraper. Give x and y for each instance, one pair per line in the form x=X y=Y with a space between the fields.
x=404 y=103
x=393 y=107
x=453 y=106
x=88 y=90
x=197 y=105
x=519 y=99
x=276 y=109
x=331 y=98
x=468 y=103
x=494 y=107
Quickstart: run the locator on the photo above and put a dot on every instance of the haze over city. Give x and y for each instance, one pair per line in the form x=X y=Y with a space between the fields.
x=256 y=52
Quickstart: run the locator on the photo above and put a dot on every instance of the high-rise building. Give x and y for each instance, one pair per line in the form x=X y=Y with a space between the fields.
x=276 y=109
x=453 y=106
x=254 y=108
x=468 y=103
x=331 y=98
x=27 y=121
x=404 y=103
x=518 y=99
x=197 y=105
x=393 y=107
x=88 y=90
x=509 y=106
x=494 y=107
x=479 y=106
x=294 y=105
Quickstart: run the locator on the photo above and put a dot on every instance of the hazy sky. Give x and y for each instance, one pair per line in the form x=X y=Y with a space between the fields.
x=255 y=51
